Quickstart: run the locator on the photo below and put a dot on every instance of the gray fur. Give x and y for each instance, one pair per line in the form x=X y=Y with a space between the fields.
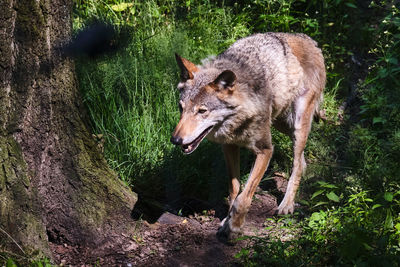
x=264 y=66
x=234 y=99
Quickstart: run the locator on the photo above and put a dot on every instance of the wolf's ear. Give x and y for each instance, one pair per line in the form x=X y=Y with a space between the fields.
x=187 y=68
x=226 y=80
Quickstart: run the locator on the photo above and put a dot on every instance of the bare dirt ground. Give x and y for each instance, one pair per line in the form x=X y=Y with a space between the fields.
x=177 y=241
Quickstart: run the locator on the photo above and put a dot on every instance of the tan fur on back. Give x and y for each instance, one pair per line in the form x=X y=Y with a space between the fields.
x=310 y=57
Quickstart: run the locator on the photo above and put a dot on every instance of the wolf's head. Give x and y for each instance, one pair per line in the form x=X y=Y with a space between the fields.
x=204 y=103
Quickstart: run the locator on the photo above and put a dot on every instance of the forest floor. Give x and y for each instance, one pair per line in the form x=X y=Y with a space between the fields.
x=179 y=241
x=183 y=241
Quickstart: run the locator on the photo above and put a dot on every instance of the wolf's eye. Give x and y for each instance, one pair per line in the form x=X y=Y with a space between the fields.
x=202 y=110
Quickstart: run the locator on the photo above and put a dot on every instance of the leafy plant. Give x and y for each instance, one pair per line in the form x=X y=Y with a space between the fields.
x=326 y=194
x=348 y=235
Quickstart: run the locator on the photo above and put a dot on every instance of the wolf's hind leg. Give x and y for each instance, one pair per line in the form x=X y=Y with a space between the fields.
x=232 y=159
x=305 y=106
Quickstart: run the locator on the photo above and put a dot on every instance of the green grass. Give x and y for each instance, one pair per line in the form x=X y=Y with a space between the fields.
x=132 y=101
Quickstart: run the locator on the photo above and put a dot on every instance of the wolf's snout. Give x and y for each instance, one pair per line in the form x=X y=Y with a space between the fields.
x=176 y=140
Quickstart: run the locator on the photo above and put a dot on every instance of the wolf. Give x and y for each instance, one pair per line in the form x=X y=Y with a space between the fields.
x=264 y=80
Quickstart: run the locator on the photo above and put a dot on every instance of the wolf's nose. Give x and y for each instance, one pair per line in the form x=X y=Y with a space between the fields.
x=176 y=140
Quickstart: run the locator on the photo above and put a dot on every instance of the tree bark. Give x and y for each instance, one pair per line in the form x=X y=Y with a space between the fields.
x=55 y=186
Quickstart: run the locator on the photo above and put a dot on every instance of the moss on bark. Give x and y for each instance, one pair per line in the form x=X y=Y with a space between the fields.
x=19 y=210
x=31 y=20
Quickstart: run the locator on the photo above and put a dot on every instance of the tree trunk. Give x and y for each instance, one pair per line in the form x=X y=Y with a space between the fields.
x=55 y=186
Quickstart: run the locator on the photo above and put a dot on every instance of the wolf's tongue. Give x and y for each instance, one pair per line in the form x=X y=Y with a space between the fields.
x=189 y=148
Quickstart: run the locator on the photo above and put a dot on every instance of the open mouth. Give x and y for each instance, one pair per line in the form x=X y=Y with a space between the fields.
x=189 y=148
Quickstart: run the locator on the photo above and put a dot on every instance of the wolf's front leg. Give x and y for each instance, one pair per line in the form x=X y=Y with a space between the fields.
x=237 y=213
x=232 y=159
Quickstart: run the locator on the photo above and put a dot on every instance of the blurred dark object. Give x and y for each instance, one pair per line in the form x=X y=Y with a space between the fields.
x=95 y=40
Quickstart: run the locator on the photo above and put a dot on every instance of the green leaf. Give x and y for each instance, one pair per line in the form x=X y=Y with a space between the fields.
x=376 y=206
x=389 y=220
x=330 y=186
x=326 y=185
x=382 y=73
x=393 y=60
x=377 y=120
x=304 y=202
x=121 y=6
x=316 y=216
x=332 y=196
x=368 y=247
x=351 y=5
x=320 y=203
x=388 y=196
x=319 y=192
x=10 y=263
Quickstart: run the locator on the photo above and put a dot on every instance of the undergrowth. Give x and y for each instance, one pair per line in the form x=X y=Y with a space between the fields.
x=350 y=191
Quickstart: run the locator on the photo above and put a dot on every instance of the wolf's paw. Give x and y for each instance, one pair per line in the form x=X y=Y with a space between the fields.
x=285 y=208
x=226 y=233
